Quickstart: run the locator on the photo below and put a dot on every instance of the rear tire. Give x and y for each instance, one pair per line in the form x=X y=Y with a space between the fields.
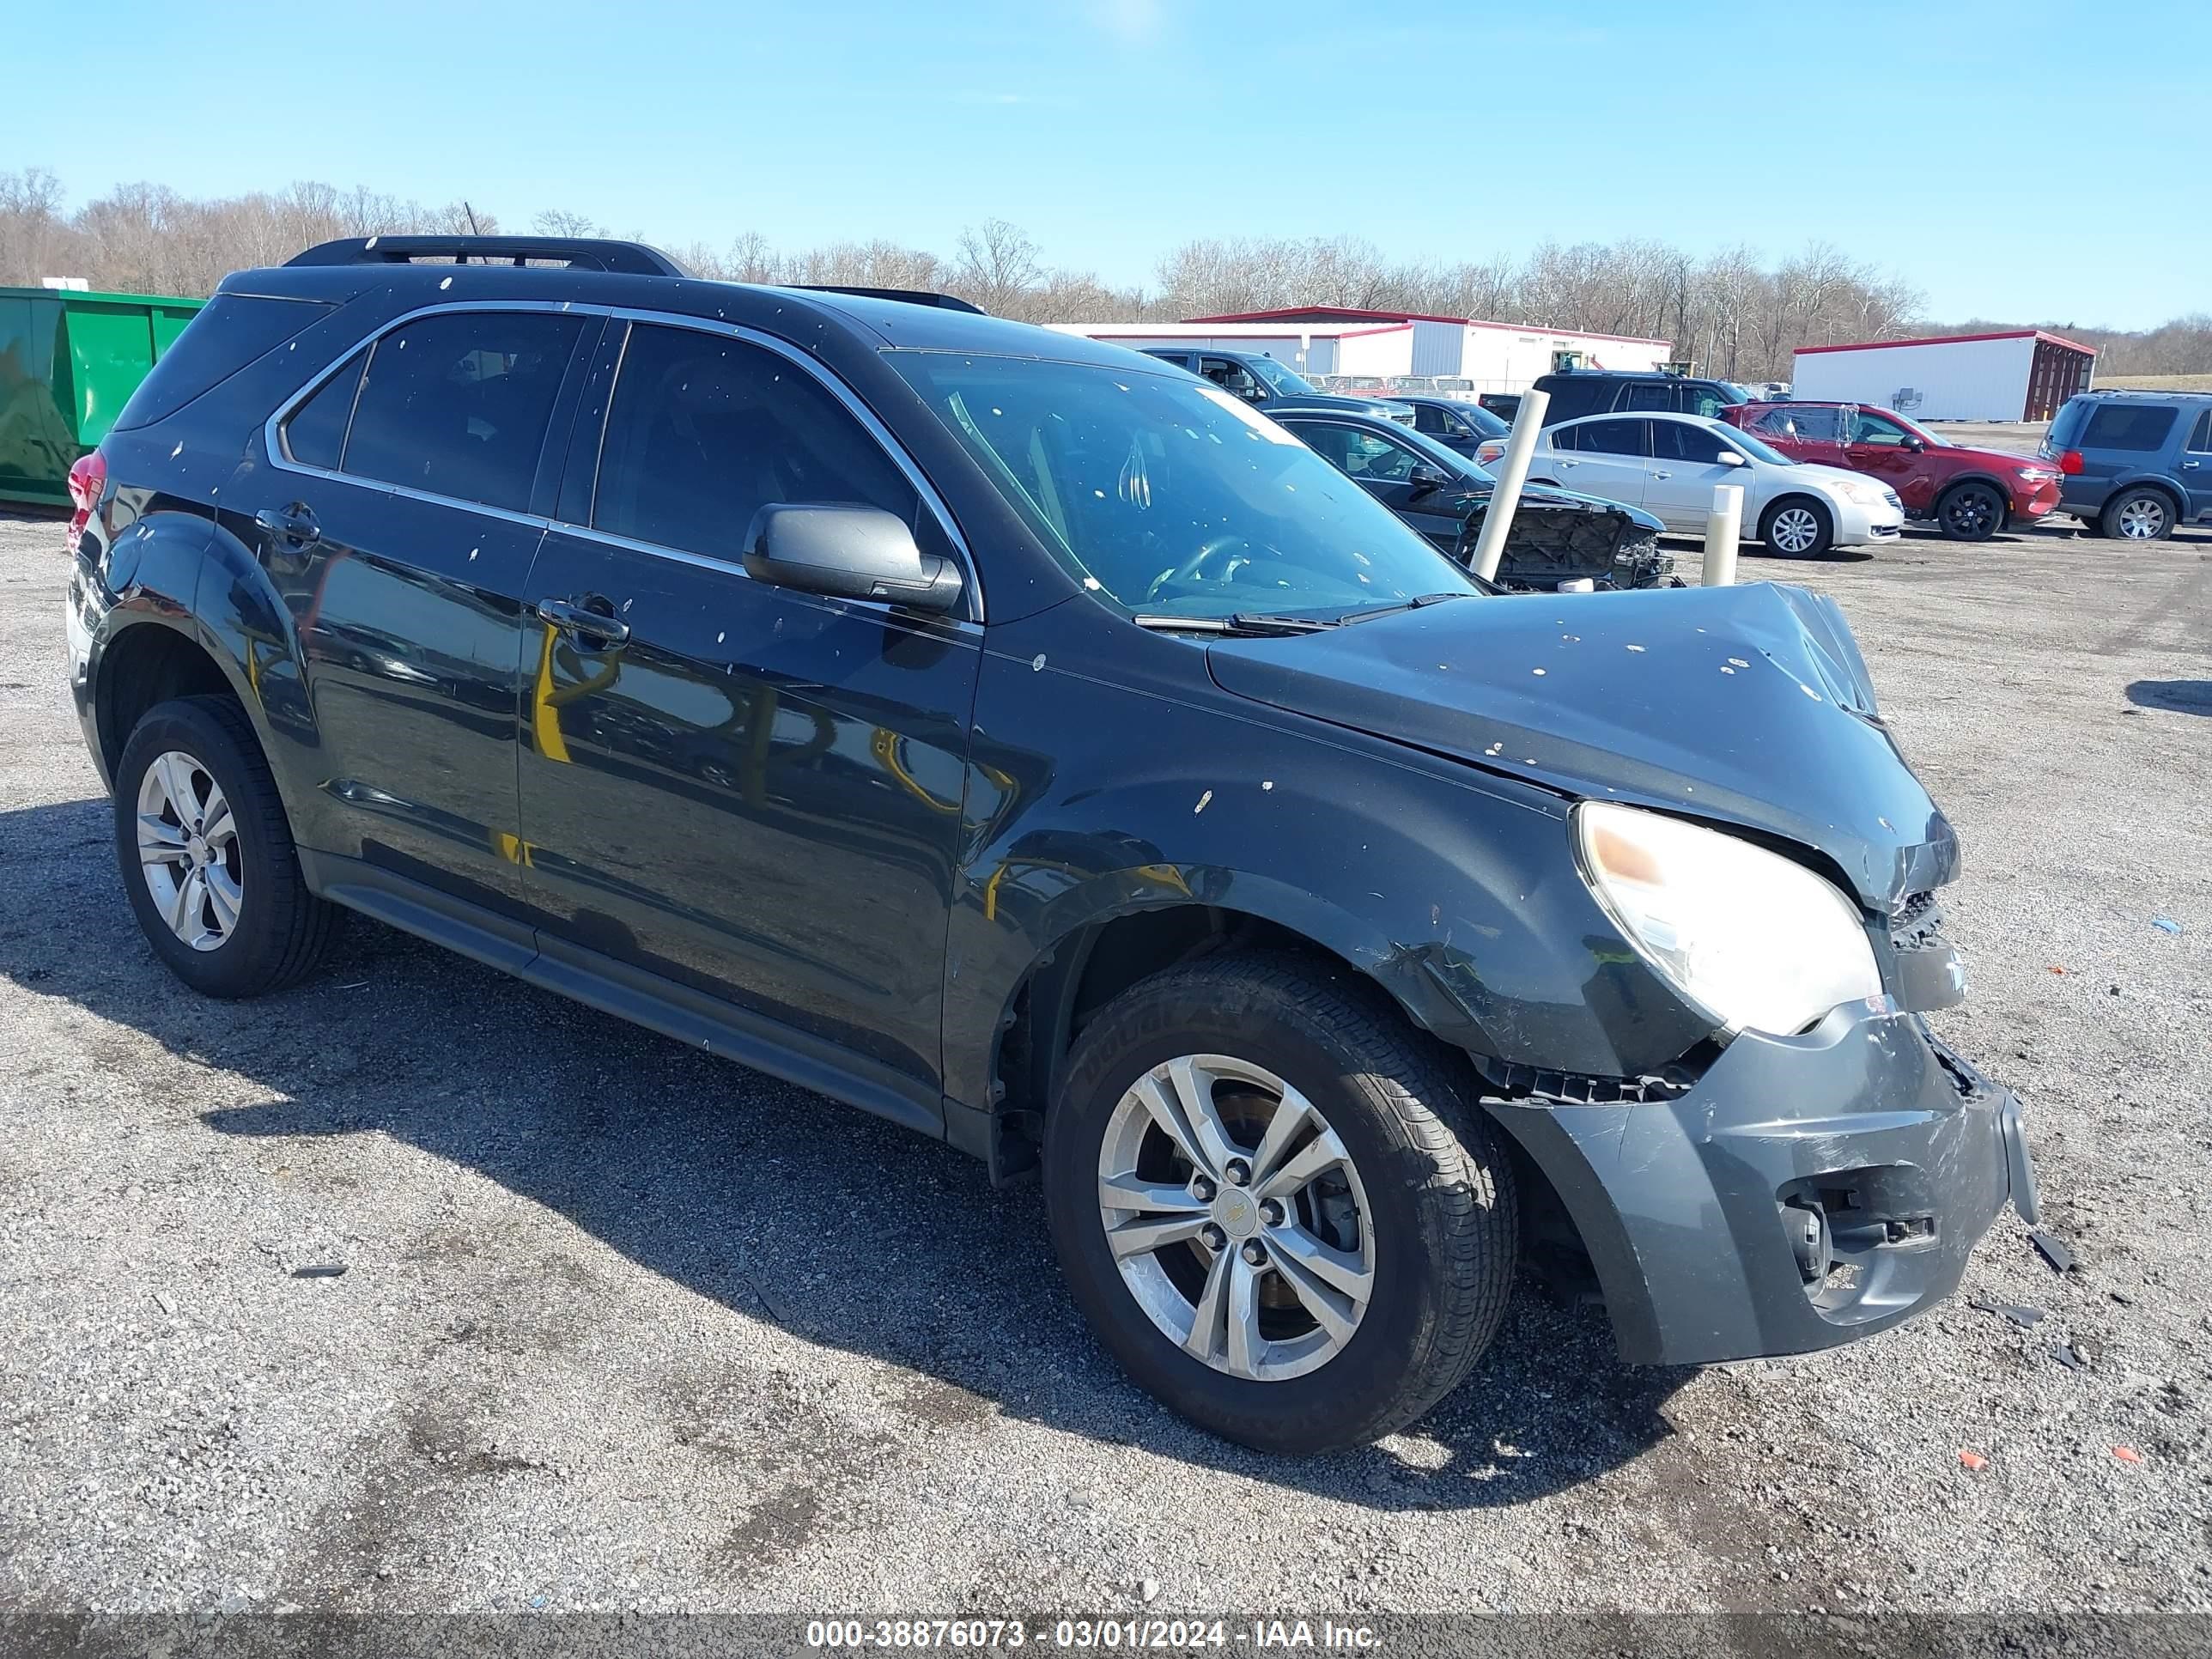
x=2137 y=515
x=206 y=853
x=1798 y=527
x=1408 y=1181
x=1970 y=512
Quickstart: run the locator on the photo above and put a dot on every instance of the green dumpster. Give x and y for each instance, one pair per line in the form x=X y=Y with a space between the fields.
x=69 y=361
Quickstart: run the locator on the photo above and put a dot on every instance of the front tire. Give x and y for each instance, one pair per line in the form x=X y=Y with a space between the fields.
x=206 y=852
x=2137 y=515
x=1798 y=527
x=1971 y=512
x=1273 y=1204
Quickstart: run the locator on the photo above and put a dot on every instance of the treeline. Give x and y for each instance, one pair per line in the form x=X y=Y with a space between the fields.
x=1734 y=313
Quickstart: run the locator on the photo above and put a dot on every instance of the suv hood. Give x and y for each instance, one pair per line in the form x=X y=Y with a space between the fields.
x=1748 y=706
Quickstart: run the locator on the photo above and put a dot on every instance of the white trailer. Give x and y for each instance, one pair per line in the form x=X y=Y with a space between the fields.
x=2017 y=375
x=1495 y=356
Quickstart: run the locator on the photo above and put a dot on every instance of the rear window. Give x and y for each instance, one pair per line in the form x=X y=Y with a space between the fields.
x=2065 y=429
x=2128 y=426
x=231 y=330
x=1572 y=399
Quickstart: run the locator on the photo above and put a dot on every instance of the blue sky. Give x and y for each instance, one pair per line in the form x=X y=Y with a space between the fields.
x=2007 y=158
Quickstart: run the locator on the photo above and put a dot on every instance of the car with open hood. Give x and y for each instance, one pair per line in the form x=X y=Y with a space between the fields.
x=1557 y=537
x=1042 y=748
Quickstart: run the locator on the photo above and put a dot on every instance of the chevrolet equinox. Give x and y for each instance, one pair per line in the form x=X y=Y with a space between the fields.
x=1009 y=735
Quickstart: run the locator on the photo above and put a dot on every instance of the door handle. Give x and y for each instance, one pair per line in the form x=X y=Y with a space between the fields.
x=587 y=620
x=294 y=526
x=2189 y=466
x=1663 y=475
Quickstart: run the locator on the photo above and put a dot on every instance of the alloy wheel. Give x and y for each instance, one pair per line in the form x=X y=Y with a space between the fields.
x=2140 y=519
x=1795 y=530
x=1970 y=513
x=188 y=850
x=1236 y=1216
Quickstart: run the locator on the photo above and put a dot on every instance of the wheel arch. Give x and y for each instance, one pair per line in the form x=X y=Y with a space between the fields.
x=1098 y=950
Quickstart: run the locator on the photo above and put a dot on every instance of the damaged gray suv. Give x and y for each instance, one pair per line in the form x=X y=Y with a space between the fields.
x=1036 y=746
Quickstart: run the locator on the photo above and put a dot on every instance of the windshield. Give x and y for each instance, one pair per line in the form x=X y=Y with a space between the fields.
x=1170 y=496
x=1735 y=392
x=1283 y=380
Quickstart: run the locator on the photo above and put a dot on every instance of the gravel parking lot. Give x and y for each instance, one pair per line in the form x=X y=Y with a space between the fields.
x=622 y=1326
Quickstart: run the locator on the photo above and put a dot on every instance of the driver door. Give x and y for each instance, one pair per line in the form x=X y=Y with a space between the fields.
x=1685 y=465
x=1875 y=444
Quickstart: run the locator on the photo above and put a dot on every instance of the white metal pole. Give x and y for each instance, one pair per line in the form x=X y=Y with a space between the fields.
x=1512 y=473
x=1724 y=529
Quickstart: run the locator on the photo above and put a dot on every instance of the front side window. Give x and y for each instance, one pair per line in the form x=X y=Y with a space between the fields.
x=1704 y=401
x=1171 y=498
x=2200 y=438
x=1233 y=378
x=1869 y=428
x=2135 y=427
x=1678 y=440
x=1613 y=438
x=457 y=403
x=705 y=430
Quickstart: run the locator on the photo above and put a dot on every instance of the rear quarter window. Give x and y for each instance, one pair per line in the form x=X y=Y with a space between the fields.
x=2128 y=426
x=232 y=331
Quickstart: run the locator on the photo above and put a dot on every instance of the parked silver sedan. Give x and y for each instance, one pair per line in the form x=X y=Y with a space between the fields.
x=1667 y=464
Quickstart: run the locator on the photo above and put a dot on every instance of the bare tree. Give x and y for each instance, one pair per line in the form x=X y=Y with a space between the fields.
x=559 y=222
x=998 y=268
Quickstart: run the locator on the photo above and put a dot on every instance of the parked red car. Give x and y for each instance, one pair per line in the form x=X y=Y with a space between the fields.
x=1971 y=493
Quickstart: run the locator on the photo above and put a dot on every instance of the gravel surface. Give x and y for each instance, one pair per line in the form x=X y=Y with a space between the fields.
x=620 y=1327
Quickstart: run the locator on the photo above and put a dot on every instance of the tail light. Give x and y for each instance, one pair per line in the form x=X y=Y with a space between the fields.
x=88 y=483
x=1488 y=451
x=2069 y=462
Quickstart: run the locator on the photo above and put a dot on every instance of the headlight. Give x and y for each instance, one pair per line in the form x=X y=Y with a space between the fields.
x=1866 y=495
x=1752 y=939
x=2037 y=475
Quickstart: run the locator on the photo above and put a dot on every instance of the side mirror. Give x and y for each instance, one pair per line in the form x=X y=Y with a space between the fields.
x=1916 y=446
x=1731 y=457
x=1424 y=476
x=848 y=553
x=1253 y=393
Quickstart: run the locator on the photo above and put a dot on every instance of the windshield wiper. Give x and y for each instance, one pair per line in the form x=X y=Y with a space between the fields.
x=1242 y=623
x=1393 y=610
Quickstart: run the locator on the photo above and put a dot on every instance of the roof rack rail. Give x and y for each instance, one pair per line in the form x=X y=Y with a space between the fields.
x=913 y=296
x=583 y=252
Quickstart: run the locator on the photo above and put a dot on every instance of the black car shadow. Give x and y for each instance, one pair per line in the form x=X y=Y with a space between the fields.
x=845 y=1230
x=2175 y=697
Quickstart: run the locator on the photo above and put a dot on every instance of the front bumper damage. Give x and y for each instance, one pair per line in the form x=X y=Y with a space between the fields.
x=1699 y=1213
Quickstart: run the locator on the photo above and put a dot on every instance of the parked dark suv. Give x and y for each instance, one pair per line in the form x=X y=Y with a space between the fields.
x=1011 y=736
x=1598 y=392
x=2133 y=465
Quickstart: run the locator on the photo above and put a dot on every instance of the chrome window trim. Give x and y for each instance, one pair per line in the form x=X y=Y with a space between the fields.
x=273 y=441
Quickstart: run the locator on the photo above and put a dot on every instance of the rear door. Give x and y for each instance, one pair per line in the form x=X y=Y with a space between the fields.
x=398 y=516
x=733 y=794
x=1685 y=465
x=1804 y=432
x=1610 y=459
x=2123 y=442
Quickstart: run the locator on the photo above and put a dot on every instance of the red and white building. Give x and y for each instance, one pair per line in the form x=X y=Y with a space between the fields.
x=1344 y=340
x=2015 y=374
